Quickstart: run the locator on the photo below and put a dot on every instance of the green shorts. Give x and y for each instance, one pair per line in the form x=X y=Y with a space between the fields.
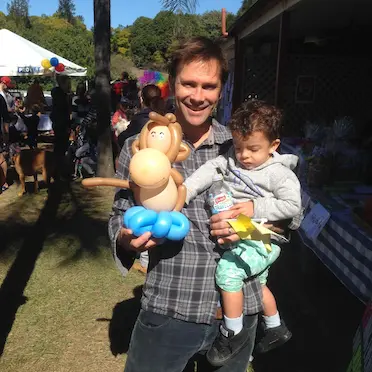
x=246 y=259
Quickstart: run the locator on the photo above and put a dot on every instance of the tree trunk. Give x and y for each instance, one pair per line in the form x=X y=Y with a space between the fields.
x=102 y=32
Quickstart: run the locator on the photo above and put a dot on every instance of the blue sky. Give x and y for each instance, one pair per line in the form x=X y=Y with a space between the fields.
x=122 y=11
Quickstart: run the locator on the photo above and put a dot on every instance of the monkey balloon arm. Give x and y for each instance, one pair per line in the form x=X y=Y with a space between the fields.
x=98 y=181
x=177 y=177
x=135 y=146
x=183 y=154
x=181 y=198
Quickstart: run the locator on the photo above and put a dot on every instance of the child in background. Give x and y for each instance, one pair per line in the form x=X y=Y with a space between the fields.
x=31 y=122
x=119 y=120
x=256 y=174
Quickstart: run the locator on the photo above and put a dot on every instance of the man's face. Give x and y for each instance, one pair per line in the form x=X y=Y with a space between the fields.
x=197 y=88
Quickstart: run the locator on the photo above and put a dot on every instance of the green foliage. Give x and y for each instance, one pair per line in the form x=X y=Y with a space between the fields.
x=120 y=40
x=18 y=12
x=147 y=43
x=66 y=10
x=246 y=4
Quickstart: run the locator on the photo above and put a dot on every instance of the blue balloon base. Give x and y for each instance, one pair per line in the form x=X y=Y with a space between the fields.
x=169 y=225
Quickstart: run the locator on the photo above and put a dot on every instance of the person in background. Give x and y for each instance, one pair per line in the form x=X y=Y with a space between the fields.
x=150 y=101
x=31 y=122
x=119 y=121
x=61 y=119
x=4 y=109
x=3 y=173
x=35 y=96
x=81 y=103
x=119 y=89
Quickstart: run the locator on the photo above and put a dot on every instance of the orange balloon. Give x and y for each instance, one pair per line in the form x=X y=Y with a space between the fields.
x=150 y=168
x=161 y=198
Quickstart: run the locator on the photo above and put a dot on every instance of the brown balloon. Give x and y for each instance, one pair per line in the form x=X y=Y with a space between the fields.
x=155 y=184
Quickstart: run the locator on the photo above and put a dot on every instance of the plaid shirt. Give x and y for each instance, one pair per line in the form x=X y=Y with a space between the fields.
x=180 y=281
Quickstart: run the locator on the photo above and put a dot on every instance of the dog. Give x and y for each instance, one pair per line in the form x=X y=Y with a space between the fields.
x=30 y=162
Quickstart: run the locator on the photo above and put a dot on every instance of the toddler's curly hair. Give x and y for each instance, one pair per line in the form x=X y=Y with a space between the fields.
x=256 y=116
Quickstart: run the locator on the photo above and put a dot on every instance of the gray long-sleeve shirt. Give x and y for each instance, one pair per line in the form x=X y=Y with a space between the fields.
x=273 y=187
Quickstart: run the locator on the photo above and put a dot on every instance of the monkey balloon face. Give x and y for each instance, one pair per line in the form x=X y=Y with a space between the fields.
x=159 y=138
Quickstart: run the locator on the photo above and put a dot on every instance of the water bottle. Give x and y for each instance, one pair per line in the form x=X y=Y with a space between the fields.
x=219 y=197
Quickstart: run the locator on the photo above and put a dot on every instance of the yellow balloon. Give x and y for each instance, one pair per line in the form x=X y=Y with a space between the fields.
x=46 y=63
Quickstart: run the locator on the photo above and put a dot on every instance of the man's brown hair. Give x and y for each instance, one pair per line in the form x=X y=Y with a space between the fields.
x=197 y=49
x=257 y=116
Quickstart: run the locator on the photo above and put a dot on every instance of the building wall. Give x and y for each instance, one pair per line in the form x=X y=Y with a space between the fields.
x=343 y=86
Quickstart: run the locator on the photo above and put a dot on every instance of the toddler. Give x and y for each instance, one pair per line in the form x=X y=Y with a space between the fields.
x=254 y=173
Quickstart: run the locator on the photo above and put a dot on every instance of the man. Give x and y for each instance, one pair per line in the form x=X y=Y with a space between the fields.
x=5 y=118
x=180 y=298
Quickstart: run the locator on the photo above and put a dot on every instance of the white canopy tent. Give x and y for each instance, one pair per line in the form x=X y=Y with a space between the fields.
x=21 y=57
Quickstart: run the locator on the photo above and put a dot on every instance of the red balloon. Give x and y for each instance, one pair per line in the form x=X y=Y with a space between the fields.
x=60 y=67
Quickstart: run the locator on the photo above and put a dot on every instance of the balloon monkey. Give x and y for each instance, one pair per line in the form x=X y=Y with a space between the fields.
x=157 y=187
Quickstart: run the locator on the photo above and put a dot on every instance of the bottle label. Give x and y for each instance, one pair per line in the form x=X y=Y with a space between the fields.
x=221 y=202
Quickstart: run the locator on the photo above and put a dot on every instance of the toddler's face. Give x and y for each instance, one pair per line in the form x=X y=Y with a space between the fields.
x=253 y=150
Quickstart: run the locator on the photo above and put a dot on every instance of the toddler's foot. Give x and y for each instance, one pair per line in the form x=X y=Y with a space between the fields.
x=227 y=345
x=272 y=338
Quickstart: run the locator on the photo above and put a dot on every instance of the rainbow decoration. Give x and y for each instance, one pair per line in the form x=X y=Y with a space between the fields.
x=157 y=78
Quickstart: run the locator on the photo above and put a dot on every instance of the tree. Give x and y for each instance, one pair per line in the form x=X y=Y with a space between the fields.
x=102 y=99
x=142 y=41
x=66 y=10
x=18 y=11
x=186 y=6
x=246 y=4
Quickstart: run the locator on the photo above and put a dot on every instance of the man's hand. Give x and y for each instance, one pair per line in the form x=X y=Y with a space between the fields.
x=221 y=228
x=130 y=242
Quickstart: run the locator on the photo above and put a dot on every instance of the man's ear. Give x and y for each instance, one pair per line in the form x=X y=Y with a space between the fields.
x=274 y=145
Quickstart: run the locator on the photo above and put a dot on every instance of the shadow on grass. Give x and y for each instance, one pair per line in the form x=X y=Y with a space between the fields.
x=124 y=317
x=14 y=284
x=320 y=312
x=69 y=214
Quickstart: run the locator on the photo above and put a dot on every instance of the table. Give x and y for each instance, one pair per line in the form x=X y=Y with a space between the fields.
x=346 y=249
x=342 y=246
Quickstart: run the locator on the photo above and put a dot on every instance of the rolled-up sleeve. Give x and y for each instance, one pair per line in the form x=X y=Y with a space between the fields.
x=123 y=200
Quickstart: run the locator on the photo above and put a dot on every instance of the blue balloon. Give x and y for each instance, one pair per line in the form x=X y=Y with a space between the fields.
x=162 y=225
x=54 y=61
x=180 y=226
x=170 y=225
x=142 y=221
x=130 y=213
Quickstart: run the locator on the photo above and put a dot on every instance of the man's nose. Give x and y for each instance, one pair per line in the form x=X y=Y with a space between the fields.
x=198 y=95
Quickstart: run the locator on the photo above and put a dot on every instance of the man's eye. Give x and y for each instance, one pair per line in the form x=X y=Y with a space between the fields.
x=161 y=135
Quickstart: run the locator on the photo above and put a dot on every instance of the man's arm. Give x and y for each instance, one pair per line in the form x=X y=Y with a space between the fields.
x=202 y=178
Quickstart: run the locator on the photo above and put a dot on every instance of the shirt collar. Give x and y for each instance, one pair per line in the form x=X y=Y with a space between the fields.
x=219 y=134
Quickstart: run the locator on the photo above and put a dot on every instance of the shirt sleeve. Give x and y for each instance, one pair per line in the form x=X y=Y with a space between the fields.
x=123 y=200
x=202 y=178
x=286 y=202
x=4 y=110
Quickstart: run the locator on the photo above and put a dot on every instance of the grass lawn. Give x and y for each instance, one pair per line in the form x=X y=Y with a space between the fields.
x=60 y=286
x=64 y=306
